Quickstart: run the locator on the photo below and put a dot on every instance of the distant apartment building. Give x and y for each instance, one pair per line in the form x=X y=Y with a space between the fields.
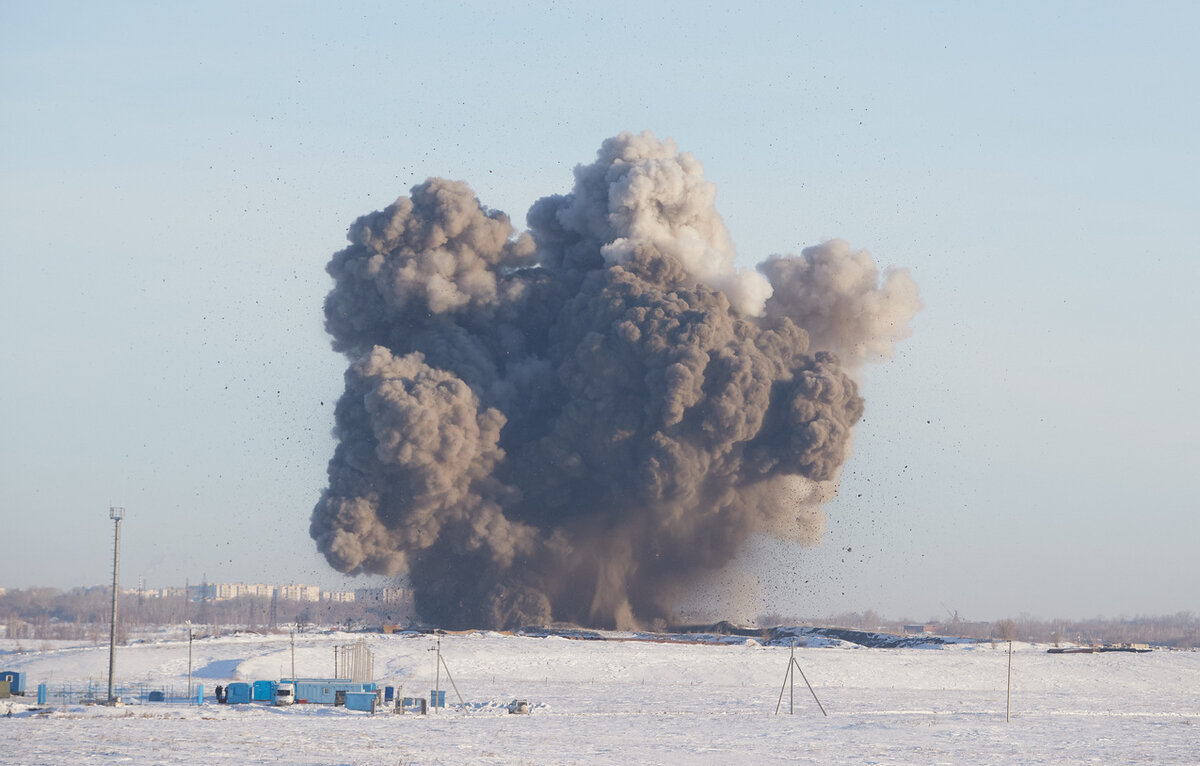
x=299 y=592
x=254 y=590
x=383 y=595
x=223 y=591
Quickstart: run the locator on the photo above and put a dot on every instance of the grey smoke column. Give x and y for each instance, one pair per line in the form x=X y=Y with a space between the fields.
x=572 y=423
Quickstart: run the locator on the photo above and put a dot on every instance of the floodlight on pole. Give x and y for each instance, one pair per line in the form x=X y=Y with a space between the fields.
x=116 y=514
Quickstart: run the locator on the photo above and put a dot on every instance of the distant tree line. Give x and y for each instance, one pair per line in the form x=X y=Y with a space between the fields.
x=1181 y=629
x=84 y=613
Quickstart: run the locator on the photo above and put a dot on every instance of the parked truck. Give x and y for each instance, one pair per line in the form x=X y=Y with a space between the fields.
x=285 y=693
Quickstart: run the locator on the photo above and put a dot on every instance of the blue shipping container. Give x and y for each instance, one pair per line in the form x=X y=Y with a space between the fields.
x=323 y=691
x=365 y=701
x=264 y=691
x=16 y=680
x=238 y=693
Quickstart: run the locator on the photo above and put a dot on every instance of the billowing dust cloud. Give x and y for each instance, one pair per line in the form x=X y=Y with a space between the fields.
x=574 y=422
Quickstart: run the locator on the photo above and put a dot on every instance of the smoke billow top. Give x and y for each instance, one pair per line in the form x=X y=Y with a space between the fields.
x=575 y=422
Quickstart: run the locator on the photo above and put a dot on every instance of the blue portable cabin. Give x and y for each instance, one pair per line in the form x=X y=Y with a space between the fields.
x=365 y=701
x=264 y=691
x=16 y=680
x=238 y=693
x=324 y=691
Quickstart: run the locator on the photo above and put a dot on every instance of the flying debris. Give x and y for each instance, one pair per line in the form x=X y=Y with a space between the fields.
x=574 y=422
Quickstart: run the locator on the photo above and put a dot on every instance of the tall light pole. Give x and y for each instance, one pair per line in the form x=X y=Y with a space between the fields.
x=116 y=514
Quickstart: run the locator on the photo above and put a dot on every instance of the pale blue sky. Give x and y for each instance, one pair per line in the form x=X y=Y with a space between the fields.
x=176 y=178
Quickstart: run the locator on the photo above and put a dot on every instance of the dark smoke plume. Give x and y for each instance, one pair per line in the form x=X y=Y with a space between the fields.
x=571 y=424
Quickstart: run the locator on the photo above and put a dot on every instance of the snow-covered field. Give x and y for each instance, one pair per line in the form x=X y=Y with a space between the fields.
x=618 y=701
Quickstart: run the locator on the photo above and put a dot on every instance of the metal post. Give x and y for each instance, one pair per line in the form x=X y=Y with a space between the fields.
x=810 y=689
x=437 y=675
x=787 y=677
x=789 y=680
x=116 y=514
x=189 y=627
x=1008 y=708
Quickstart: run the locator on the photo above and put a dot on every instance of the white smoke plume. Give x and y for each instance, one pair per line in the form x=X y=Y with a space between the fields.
x=575 y=422
x=835 y=294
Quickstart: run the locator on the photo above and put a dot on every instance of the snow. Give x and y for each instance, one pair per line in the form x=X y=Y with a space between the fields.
x=629 y=698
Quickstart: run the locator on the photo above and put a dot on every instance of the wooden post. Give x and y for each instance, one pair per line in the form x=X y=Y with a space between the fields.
x=437 y=675
x=461 y=701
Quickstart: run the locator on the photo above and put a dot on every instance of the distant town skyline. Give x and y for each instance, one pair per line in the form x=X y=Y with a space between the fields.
x=212 y=591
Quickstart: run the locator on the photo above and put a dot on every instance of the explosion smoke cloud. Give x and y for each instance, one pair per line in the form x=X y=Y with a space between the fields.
x=572 y=423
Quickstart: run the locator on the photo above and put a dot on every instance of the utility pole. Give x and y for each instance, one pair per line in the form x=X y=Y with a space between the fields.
x=1008 y=707
x=189 y=627
x=116 y=514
